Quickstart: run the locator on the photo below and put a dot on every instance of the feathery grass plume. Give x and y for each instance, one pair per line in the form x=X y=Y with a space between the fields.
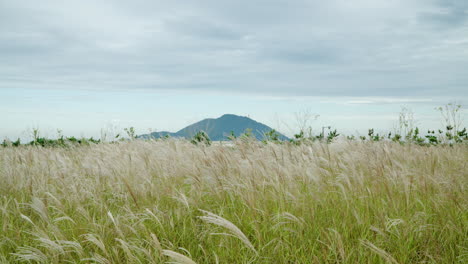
x=182 y=199
x=116 y=225
x=384 y=254
x=337 y=240
x=231 y=228
x=126 y=248
x=177 y=257
x=29 y=254
x=156 y=218
x=52 y=246
x=287 y=218
x=71 y=247
x=97 y=258
x=27 y=219
x=290 y=218
x=64 y=218
x=130 y=190
x=156 y=243
x=39 y=207
x=97 y=241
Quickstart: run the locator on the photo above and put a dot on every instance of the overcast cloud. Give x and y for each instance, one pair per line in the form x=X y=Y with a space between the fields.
x=291 y=48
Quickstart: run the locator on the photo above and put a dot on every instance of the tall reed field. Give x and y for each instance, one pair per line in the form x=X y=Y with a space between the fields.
x=248 y=202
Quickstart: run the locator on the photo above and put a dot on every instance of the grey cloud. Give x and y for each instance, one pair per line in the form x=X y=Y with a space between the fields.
x=264 y=47
x=202 y=28
x=447 y=13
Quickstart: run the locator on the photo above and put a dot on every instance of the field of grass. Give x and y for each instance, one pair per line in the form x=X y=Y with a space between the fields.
x=173 y=201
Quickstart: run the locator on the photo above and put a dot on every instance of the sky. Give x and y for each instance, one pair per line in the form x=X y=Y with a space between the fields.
x=92 y=67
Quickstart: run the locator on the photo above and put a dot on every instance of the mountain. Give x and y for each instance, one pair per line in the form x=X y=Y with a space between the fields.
x=219 y=128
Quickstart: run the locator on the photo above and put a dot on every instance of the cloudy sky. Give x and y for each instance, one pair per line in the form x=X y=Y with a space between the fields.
x=82 y=66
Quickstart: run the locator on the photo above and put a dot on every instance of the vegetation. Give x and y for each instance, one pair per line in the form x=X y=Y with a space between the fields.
x=390 y=198
x=201 y=137
x=406 y=132
x=169 y=200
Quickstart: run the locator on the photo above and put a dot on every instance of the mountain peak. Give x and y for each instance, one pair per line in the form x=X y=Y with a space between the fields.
x=228 y=115
x=220 y=128
x=225 y=116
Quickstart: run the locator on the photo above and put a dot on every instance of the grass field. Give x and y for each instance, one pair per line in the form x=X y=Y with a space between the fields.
x=172 y=201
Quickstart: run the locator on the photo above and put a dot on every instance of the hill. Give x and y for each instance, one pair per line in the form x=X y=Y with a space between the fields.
x=219 y=128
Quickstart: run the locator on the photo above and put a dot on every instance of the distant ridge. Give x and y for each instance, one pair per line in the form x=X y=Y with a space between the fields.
x=219 y=129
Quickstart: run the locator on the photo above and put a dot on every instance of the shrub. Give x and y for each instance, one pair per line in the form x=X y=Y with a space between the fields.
x=201 y=137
